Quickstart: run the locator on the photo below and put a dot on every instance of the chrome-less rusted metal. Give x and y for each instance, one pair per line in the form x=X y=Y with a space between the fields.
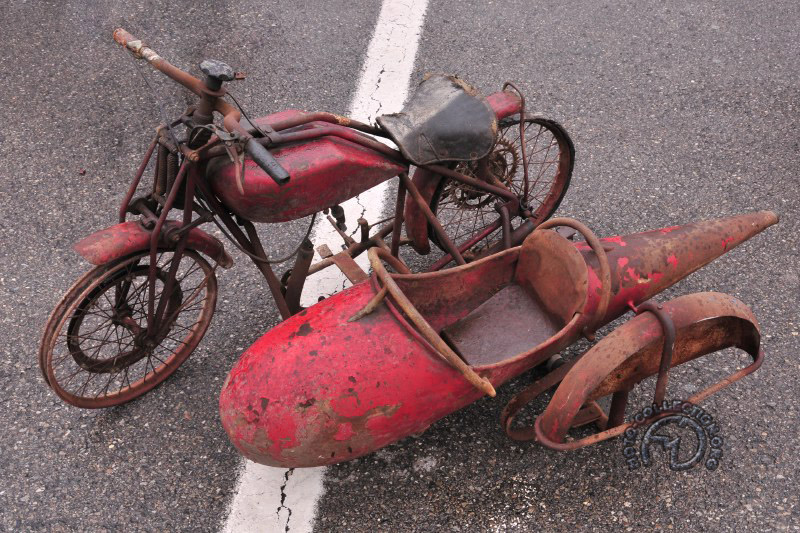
x=432 y=220
x=523 y=147
x=505 y=220
x=398 y=217
x=666 y=351
x=425 y=329
x=430 y=339
x=123 y=209
x=299 y=272
x=277 y=168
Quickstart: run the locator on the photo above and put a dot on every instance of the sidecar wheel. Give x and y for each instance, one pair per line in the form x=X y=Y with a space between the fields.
x=96 y=351
x=466 y=212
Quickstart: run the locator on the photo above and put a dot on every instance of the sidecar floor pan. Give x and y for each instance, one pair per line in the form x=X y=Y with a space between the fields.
x=507 y=324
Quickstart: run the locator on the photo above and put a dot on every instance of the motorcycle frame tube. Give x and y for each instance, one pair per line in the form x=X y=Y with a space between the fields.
x=210 y=101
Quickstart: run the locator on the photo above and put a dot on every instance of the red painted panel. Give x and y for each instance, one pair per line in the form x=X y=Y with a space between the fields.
x=117 y=241
x=318 y=389
x=324 y=172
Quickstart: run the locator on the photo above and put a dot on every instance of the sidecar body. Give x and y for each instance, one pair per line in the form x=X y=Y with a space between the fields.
x=321 y=388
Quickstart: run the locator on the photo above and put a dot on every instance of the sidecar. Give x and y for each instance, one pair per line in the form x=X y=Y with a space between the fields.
x=388 y=357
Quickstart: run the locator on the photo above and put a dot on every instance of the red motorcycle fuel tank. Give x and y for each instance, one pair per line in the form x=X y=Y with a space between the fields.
x=323 y=172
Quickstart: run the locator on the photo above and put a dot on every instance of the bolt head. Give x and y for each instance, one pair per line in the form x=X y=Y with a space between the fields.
x=217 y=69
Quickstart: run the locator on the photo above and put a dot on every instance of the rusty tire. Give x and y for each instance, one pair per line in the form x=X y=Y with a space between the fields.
x=125 y=365
x=551 y=154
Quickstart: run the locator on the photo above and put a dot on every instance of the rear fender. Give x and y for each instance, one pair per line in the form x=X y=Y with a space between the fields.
x=123 y=239
x=504 y=104
x=704 y=323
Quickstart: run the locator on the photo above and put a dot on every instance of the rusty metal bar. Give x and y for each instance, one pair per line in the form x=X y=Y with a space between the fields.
x=523 y=398
x=432 y=220
x=668 y=326
x=139 y=173
x=294 y=287
x=272 y=280
x=350 y=135
x=353 y=250
x=518 y=235
x=398 y=217
x=521 y=135
x=323 y=116
x=616 y=413
x=349 y=268
x=395 y=263
x=724 y=382
x=151 y=277
x=478 y=184
x=425 y=329
x=160 y=181
x=505 y=219
x=180 y=246
x=236 y=232
x=467 y=245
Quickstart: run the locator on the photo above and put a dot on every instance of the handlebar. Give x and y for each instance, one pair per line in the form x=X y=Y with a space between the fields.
x=231 y=116
x=140 y=51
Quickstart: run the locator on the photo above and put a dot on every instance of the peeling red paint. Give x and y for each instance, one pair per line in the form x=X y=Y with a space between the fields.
x=726 y=242
x=352 y=416
x=324 y=172
x=122 y=239
x=345 y=431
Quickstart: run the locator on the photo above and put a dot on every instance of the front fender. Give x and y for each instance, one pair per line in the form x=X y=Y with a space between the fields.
x=123 y=239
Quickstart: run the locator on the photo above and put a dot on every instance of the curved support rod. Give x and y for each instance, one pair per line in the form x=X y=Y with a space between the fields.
x=425 y=329
x=704 y=323
x=620 y=429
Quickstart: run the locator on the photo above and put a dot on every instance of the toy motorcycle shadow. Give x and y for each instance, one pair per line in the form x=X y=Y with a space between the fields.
x=386 y=358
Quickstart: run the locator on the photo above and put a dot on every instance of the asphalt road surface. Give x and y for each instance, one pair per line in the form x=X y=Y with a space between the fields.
x=679 y=111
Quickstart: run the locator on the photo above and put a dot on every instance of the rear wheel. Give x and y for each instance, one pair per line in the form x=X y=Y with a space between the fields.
x=466 y=213
x=97 y=350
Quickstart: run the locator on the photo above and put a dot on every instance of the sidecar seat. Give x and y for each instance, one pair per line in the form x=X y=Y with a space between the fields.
x=445 y=120
x=549 y=286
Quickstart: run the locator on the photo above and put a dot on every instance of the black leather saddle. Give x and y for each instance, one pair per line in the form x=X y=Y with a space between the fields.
x=445 y=120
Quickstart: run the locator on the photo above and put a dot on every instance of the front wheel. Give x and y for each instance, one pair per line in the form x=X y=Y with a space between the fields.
x=97 y=350
x=468 y=214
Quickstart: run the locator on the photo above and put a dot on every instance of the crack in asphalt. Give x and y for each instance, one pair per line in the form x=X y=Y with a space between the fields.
x=286 y=477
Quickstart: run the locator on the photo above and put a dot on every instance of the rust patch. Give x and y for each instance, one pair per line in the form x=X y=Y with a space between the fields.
x=306 y=404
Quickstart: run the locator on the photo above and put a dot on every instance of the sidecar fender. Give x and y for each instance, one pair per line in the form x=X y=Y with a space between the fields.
x=123 y=239
x=704 y=323
x=504 y=104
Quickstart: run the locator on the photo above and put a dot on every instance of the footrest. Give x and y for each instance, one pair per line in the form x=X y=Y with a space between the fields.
x=349 y=267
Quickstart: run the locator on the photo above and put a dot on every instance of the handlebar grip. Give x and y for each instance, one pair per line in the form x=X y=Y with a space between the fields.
x=267 y=162
x=123 y=37
x=126 y=40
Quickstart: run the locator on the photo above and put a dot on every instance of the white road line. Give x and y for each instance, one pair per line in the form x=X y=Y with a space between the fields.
x=274 y=499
